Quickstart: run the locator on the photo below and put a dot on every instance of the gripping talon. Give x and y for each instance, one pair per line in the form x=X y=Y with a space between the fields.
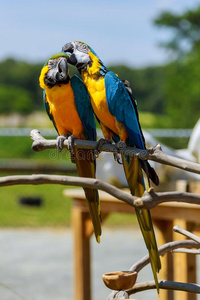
x=60 y=142
x=100 y=144
x=117 y=158
x=120 y=145
x=71 y=140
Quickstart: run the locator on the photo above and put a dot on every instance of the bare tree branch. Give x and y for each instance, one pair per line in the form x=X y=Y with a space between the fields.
x=188 y=251
x=149 y=200
x=68 y=181
x=155 y=154
x=138 y=266
x=186 y=233
x=166 y=285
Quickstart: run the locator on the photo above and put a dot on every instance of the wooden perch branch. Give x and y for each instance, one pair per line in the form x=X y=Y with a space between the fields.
x=149 y=285
x=166 y=285
x=138 y=266
x=188 y=251
x=155 y=154
x=186 y=233
x=149 y=200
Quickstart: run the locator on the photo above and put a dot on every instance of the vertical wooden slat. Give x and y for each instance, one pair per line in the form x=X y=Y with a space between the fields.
x=164 y=233
x=82 y=272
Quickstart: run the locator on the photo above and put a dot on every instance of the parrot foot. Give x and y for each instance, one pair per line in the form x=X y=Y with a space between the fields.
x=120 y=145
x=100 y=144
x=60 y=142
x=117 y=158
x=71 y=140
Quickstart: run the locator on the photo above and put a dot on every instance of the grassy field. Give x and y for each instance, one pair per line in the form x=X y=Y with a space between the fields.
x=55 y=210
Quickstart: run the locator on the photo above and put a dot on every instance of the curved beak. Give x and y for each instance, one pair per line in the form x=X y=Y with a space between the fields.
x=57 y=74
x=62 y=69
x=69 y=47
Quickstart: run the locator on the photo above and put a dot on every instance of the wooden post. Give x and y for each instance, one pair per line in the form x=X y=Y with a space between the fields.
x=164 y=233
x=82 y=272
x=184 y=264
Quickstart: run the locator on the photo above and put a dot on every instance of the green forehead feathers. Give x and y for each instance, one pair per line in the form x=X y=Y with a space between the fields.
x=56 y=56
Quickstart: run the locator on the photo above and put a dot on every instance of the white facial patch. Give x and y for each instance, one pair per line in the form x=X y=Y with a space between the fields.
x=81 y=57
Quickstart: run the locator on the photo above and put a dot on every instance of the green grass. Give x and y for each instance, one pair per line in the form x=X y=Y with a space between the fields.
x=55 y=210
x=20 y=147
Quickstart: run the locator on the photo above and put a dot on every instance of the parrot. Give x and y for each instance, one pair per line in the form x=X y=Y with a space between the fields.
x=68 y=106
x=116 y=110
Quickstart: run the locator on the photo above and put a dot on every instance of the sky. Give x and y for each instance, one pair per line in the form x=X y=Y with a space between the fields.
x=120 y=31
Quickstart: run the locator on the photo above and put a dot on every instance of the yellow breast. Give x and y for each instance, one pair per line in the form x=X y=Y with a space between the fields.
x=96 y=89
x=63 y=110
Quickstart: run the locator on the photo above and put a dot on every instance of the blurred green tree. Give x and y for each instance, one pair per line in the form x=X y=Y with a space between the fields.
x=17 y=77
x=185 y=27
x=15 y=99
x=182 y=88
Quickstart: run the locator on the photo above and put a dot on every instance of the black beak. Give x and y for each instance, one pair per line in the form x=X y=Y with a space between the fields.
x=68 y=48
x=72 y=60
x=62 y=70
x=59 y=74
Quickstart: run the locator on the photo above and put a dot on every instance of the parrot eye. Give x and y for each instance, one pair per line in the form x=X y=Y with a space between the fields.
x=82 y=47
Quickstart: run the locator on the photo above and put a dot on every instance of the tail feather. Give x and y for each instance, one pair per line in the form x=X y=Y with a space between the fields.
x=150 y=172
x=133 y=172
x=85 y=163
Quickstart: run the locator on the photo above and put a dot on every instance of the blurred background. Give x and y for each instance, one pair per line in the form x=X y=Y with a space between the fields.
x=155 y=45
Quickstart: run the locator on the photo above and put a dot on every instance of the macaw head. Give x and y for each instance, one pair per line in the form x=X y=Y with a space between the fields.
x=55 y=71
x=79 y=54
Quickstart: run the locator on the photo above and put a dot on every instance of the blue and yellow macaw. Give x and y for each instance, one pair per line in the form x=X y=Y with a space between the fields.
x=116 y=110
x=68 y=106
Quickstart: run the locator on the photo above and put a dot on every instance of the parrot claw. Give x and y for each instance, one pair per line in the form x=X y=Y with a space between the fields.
x=100 y=144
x=60 y=142
x=120 y=145
x=71 y=140
x=117 y=158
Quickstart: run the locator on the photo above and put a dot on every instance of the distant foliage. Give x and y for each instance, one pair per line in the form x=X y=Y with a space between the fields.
x=183 y=92
x=182 y=86
x=14 y=98
x=185 y=28
x=19 y=89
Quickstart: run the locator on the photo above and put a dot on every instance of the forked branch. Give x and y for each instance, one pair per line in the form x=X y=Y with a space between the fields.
x=149 y=200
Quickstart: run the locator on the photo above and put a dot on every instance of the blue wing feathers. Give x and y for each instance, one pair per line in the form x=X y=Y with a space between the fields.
x=120 y=105
x=84 y=108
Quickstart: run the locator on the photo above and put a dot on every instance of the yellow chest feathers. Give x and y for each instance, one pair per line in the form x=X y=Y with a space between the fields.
x=63 y=109
x=94 y=82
